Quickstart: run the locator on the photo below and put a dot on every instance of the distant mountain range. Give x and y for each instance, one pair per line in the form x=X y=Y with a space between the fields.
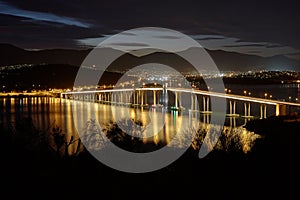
x=226 y=61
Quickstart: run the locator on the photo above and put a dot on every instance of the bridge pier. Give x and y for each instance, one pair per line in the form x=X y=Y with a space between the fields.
x=120 y=98
x=142 y=98
x=139 y=97
x=154 y=97
x=206 y=105
x=177 y=102
x=232 y=109
x=280 y=109
x=127 y=100
x=113 y=98
x=145 y=102
x=134 y=97
x=247 y=109
x=194 y=102
x=263 y=111
x=232 y=121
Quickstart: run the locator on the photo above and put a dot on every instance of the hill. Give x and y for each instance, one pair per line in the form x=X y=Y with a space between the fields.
x=226 y=61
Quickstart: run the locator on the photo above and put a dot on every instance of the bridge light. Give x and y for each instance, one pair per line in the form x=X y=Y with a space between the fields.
x=271 y=96
x=249 y=93
x=266 y=94
x=245 y=92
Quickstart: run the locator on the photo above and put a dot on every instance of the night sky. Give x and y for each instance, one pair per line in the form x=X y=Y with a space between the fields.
x=251 y=27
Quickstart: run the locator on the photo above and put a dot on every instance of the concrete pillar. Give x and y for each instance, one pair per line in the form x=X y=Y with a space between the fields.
x=176 y=99
x=234 y=107
x=192 y=102
x=232 y=121
x=280 y=109
x=112 y=97
x=154 y=97
x=127 y=97
x=207 y=104
x=195 y=102
x=139 y=97
x=180 y=103
x=119 y=97
x=249 y=110
x=204 y=104
x=142 y=97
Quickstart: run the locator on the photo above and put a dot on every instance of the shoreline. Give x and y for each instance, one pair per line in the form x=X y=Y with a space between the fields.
x=16 y=95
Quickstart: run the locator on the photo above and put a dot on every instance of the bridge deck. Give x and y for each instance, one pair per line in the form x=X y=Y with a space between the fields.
x=192 y=91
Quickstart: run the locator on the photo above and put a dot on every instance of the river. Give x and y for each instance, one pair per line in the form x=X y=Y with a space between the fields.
x=156 y=127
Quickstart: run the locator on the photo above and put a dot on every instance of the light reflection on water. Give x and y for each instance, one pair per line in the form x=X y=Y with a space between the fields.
x=47 y=112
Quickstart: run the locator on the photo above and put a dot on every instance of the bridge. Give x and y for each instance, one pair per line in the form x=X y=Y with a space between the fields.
x=139 y=97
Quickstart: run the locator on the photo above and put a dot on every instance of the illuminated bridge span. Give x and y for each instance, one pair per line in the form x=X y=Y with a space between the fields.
x=161 y=97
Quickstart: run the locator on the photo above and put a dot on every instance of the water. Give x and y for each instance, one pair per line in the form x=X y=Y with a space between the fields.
x=157 y=127
x=47 y=113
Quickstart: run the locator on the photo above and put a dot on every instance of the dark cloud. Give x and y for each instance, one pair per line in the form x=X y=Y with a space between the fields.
x=274 y=45
x=128 y=44
x=210 y=38
x=254 y=52
x=245 y=45
x=167 y=37
x=41 y=16
x=127 y=33
x=40 y=35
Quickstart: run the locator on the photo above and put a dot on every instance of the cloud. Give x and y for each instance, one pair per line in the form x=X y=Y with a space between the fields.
x=249 y=44
x=41 y=16
x=207 y=37
x=246 y=45
x=274 y=45
x=167 y=37
x=127 y=33
x=91 y=42
x=274 y=28
x=295 y=56
x=128 y=44
x=264 y=49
